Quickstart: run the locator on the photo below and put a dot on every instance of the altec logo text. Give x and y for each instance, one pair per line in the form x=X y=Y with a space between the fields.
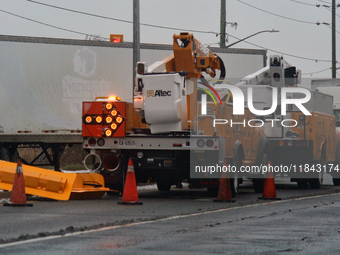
x=158 y=93
x=238 y=105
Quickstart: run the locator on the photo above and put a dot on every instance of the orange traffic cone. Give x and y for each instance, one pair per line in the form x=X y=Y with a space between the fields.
x=224 y=190
x=269 y=190
x=130 y=195
x=18 y=194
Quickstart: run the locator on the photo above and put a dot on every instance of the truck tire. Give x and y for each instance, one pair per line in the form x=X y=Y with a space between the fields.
x=336 y=181
x=112 y=193
x=235 y=180
x=335 y=175
x=263 y=151
x=163 y=185
x=234 y=185
x=212 y=192
x=302 y=184
x=316 y=183
x=258 y=185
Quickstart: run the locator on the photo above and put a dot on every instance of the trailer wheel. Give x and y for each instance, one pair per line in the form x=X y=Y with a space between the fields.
x=163 y=185
x=4 y=153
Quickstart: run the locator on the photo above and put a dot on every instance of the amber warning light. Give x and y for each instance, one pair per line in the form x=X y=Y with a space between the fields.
x=116 y=38
x=104 y=119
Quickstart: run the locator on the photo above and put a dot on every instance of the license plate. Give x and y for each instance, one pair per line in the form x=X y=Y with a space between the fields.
x=129 y=143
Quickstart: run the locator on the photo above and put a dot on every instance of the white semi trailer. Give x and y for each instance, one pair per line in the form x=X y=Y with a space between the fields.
x=43 y=82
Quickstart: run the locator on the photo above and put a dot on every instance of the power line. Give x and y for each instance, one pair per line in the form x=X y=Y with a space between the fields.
x=68 y=30
x=277 y=15
x=324 y=2
x=314 y=5
x=323 y=70
x=329 y=26
x=49 y=25
x=80 y=12
x=327 y=8
x=120 y=20
x=294 y=56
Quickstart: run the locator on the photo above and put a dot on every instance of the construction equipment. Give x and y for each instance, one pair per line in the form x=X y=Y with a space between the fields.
x=175 y=134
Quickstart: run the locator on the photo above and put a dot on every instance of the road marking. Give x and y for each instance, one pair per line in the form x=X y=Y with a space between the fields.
x=155 y=221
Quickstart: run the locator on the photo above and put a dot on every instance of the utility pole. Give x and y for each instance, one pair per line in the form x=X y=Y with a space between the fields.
x=333 y=41
x=223 y=23
x=136 y=38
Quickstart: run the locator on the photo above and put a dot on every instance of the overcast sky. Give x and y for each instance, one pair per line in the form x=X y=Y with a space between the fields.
x=302 y=43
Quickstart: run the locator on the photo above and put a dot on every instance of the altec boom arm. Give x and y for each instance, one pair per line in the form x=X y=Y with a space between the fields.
x=191 y=56
x=190 y=59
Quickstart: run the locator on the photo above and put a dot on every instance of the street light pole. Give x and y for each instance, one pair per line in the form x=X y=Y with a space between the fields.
x=136 y=39
x=223 y=23
x=333 y=41
x=263 y=31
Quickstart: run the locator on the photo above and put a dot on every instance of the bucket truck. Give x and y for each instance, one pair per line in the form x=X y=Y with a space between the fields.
x=169 y=133
x=307 y=145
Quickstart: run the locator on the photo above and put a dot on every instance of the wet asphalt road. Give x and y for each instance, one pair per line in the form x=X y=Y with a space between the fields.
x=179 y=222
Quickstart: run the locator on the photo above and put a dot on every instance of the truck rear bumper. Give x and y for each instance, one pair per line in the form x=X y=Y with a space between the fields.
x=291 y=151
